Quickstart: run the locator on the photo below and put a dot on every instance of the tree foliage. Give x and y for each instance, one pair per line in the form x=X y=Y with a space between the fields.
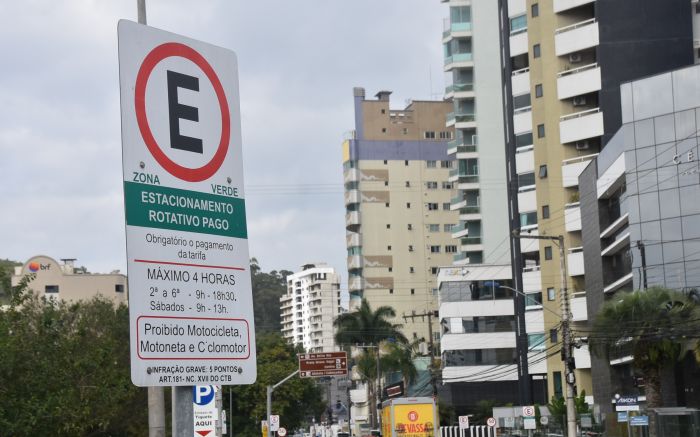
x=267 y=290
x=295 y=401
x=6 y=267
x=65 y=369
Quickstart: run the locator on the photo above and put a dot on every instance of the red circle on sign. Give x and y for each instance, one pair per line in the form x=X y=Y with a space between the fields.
x=149 y=63
x=412 y=416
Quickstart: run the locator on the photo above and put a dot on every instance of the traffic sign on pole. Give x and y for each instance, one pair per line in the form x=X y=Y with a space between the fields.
x=282 y=432
x=204 y=410
x=190 y=298
x=323 y=364
x=491 y=421
x=274 y=422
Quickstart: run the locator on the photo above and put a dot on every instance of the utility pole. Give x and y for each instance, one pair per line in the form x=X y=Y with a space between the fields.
x=643 y=253
x=270 y=389
x=431 y=344
x=567 y=343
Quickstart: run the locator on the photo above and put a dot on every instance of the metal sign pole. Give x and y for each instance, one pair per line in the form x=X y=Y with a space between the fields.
x=183 y=414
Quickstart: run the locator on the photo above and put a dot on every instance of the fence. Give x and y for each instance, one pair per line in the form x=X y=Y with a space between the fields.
x=472 y=431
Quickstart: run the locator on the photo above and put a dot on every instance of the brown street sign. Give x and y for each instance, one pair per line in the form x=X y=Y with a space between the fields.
x=323 y=364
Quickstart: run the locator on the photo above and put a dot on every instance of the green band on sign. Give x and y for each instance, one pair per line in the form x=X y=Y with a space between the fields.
x=153 y=206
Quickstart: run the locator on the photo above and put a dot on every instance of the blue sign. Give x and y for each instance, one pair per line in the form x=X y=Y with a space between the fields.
x=202 y=394
x=639 y=420
x=622 y=416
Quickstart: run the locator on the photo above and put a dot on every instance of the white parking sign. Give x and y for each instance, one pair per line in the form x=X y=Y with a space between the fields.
x=190 y=298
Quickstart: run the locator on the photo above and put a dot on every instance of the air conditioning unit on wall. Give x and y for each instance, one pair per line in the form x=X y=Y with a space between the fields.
x=575 y=58
x=579 y=100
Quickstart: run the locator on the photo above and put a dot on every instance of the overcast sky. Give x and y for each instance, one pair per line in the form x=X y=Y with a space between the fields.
x=60 y=145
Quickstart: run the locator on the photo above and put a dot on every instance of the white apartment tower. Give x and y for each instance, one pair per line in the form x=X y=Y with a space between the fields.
x=310 y=306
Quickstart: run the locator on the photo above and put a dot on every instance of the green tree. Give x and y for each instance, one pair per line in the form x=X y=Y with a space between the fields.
x=399 y=357
x=557 y=407
x=655 y=324
x=6 y=268
x=368 y=327
x=267 y=290
x=295 y=401
x=65 y=368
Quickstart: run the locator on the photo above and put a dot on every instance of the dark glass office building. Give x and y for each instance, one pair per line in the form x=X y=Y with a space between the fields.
x=640 y=206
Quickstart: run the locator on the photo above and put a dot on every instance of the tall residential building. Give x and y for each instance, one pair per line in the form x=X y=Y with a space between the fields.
x=565 y=61
x=640 y=202
x=64 y=281
x=310 y=306
x=397 y=196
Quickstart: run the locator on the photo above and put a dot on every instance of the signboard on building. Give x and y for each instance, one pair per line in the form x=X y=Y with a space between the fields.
x=627 y=403
x=323 y=364
x=463 y=422
x=190 y=299
x=639 y=420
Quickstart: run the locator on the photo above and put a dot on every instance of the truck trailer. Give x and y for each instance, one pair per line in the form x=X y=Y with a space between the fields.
x=410 y=417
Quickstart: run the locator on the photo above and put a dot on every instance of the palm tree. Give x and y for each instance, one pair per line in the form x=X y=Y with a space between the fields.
x=655 y=324
x=399 y=357
x=367 y=327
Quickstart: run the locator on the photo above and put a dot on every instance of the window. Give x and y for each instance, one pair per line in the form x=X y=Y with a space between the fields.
x=526 y=180
x=533 y=299
x=391 y=269
x=545 y=211
x=432 y=206
x=518 y=23
x=388 y=248
x=386 y=183
x=535 y=341
x=553 y=336
x=523 y=140
x=408 y=184
x=528 y=218
x=386 y=204
x=51 y=289
x=408 y=205
x=385 y=162
x=434 y=249
x=405 y=162
x=697 y=8
x=447 y=185
x=446 y=164
x=388 y=226
x=540 y=131
x=410 y=227
x=405 y=131
x=522 y=101
x=411 y=270
x=434 y=228
x=410 y=248
x=445 y=135
x=536 y=51
x=383 y=111
x=429 y=135
x=558 y=391
x=434 y=270
x=447 y=227
x=551 y=294
x=391 y=291
x=543 y=171
x=413 y=291
x=538 y=90
x=431 y=185
x=119 y=288
x=431 y=164
x=451 y=249
x=548 y=253
x=446 y=206
x=535 y=11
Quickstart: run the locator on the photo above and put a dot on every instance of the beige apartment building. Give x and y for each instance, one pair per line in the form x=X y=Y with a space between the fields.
x=398 y=218
x=63 y=281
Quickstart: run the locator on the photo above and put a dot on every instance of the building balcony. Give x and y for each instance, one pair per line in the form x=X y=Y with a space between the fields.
x=352 y=220
x=461 y=176
x=580 y=125
x=527 y=201
x=477 y=340
x=470 y=213
x=355 y=283
x=579 y=81
x=622 y=242
x=460 y=258
x=471 y=244
x=450 y=29
x=572 y=217
x=528 y=245
x=582 y=357
x=457 y=88
x=572 y=168
x=351 y=175
x=457 y=203
x=576 y=37
x=619 y=283
x=462 y=146
x=522 y=120
x=565 y=5
x=579 y=308
x=574 y=262
x=352 y=196
x=532 y=280
x=454 y=118
x=354 y=262
x=525 y=159
x=353 y=240
x=615 y=226
x=460 y=231
x=458 y=60
x=520 y=81
x=518 y=43
x=358 y=396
